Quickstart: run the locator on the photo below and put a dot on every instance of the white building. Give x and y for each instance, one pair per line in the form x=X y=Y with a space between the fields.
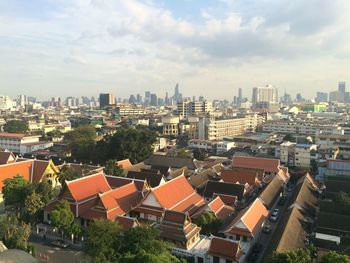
x=22 y=143
x=265 y=94
x=170 y=125
x=6 y=103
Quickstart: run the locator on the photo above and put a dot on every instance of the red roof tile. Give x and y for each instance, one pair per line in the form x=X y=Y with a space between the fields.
x=124 y=163
x=224 y=248
x=219 y=208
x=121 y=200
x=251 y=218
x=268 y=165
x=178 y=195
x=227 y=199
x=241 y=177
x=127 y=222
x=88 y=186
x=23 y=168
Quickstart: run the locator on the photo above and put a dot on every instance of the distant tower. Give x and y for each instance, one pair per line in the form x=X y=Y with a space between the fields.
x=239 y=98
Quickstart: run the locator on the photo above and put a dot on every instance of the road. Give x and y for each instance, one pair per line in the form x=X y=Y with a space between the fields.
x=45 y=252
x=265 y=239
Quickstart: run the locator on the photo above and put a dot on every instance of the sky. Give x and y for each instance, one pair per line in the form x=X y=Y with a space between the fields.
x=211 y=48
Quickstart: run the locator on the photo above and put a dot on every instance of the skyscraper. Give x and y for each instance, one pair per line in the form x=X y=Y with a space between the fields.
x=239 y=98
x=106 y=100
x=265 y=94
x=177 y=95
x=341 y=86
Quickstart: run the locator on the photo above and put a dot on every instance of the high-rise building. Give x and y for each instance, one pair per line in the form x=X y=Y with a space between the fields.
x=265 y=94
x=321 y=97
x=153 y=100
x=6 y=103
x=139 y=99
x=240 y=97
x=22 y=101
x=147 y=98
x=177 y=95
x=341 y=86
x=107 y=100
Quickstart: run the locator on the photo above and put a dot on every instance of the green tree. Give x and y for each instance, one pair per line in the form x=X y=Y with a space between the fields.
x=199 y=154
x=16 y=126
x=142 y=244
x=62 y=216
x=334 y=257
x=298 y=256
x=209 y=223
x=81 y=142
x=111 y=168
x=43 y=189
x=14 y=191
x=103 y=240
x=67 y=174
x=13 y=233
x=32 y=206
x=133 y=144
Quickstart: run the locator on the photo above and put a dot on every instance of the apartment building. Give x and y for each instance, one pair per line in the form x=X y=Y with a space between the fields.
x=130 y=110
x=186 y=109
x=170 y=125
x=22 y=143
x=300 y=155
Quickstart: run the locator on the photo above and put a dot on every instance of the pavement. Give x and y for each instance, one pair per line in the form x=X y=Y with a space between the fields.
x=45 y=252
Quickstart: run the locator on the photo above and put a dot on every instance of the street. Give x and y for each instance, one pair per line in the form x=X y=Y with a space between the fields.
x=45 y=252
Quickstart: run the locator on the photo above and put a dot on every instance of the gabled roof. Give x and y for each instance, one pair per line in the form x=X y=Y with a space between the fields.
x=170 y=161
x=88 y=186
x=271 y=192
x=249 y=221
x=118 y=181
x=224 y=248
x=229 y=200
x=177 y=226
x=23 y=168
x=164 y=170
x=121 y=200
x=124 y=163
x=7 y=157
x=83 y=169
x=268 y=165
x=220 y=209
x=223 y=188
x=127 y=222
x=153 y=178
x=241 y=177
x=178 y=195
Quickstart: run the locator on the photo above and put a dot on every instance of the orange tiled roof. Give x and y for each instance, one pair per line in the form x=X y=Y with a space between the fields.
x=23 y=168
x=178 y=195
x=251 y=217
x=241 y=177
x=219 y=208
x=268 y=165
x=88 y=186
x=224 y=248
x=127 y=222
x=16 y=135
x=124 y=163
x=121 y=200
x=227 y=199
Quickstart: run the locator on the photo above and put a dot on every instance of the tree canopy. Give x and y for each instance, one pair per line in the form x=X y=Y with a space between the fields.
x=298 y=256
x=13 y=233
x=14 y=190
x=62 y=216
x=133 y=144
x=16 y=126
x=67 y=174
x=81 y=142
x=107 y=242
x=209 y=223
x=111 y=168
x=334 y=257
x=342 y=198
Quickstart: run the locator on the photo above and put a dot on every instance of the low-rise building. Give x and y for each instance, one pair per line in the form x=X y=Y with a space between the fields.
x=22 y=143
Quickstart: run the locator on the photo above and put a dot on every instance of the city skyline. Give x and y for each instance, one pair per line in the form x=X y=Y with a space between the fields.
x=72 y=48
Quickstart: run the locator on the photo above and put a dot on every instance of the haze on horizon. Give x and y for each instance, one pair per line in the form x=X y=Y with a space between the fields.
x=81 y=47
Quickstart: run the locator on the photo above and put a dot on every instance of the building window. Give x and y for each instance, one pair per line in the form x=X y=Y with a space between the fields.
x=238 y=237
x=228 y=261
x=216 y=259
x=200 y=260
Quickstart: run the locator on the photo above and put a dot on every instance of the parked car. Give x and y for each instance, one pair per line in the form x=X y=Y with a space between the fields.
x=267 y=228
x=273 y=218
x=60 y=243
x=275 y=212
x=257 y=248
